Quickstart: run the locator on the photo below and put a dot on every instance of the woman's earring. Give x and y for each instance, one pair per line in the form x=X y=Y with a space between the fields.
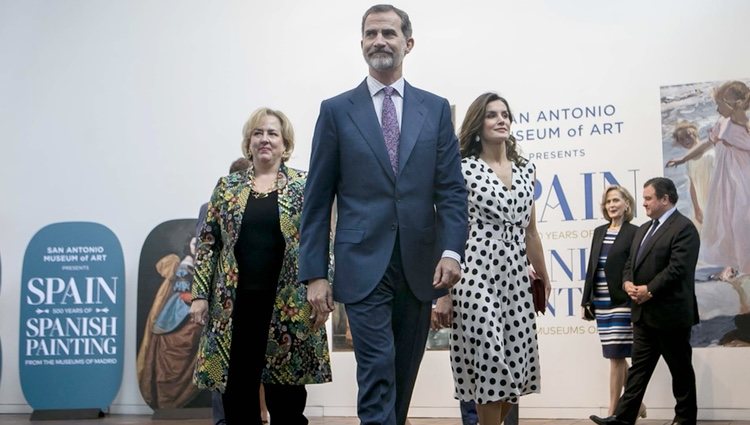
x=476 y=138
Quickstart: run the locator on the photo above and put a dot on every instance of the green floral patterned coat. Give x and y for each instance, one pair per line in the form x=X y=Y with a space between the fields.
x=295 y=354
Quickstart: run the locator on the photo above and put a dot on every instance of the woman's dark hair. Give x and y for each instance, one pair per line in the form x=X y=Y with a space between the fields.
x=468 y=138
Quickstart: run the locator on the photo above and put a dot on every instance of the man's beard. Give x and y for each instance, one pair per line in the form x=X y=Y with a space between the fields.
x=381 y=61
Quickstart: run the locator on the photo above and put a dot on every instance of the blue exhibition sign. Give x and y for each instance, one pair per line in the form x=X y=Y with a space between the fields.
x=1 y=342
x=72 y=325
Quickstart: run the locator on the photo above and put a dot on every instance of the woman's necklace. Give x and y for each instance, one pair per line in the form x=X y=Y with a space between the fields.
x=278 y=184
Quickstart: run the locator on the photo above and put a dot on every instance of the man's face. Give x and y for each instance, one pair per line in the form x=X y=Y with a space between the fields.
x=654 y=206
x=383 y=44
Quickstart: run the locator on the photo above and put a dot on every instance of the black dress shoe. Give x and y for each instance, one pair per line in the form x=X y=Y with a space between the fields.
x=609 y=420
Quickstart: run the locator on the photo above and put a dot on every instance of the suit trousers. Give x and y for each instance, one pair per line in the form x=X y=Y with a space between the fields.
x=389 y=330
x=648 y=345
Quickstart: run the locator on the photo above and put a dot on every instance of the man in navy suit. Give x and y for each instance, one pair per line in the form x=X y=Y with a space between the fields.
x=387 y=152
x=659 y=277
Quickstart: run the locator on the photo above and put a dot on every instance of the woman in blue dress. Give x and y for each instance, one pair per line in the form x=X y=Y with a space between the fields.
x=603 y=296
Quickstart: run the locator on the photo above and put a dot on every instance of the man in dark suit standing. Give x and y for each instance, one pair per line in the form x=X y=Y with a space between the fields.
x=659 y=277
x=387 y=152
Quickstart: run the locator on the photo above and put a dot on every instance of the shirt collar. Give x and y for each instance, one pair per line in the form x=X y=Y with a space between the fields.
x=666 y=215
x=375 y=86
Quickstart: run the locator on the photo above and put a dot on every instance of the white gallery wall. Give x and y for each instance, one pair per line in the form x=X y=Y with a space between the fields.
x=125 y=113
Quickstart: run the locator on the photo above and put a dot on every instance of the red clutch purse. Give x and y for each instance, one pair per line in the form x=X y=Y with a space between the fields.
x=537 y=292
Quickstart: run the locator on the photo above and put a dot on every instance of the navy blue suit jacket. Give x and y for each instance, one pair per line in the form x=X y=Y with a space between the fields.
x=424 y=203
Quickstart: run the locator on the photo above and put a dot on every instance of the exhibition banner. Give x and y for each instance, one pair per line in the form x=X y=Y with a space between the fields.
x=72 y=317
x=167 y=340
x=1 y=342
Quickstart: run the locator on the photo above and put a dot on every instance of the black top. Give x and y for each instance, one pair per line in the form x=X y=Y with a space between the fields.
x=260 y=245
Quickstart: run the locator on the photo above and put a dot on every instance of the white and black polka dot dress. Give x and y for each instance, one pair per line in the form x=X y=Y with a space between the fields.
x=494 y=352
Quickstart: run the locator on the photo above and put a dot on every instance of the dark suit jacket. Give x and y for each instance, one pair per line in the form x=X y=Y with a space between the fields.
x=667 y=267
x=424 y=203
x=613 y=268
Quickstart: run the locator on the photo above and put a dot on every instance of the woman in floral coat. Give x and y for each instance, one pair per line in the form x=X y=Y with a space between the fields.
x=245 y=287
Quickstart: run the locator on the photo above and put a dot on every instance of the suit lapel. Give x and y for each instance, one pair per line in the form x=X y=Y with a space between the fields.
x=620 y=240
x=413 y=120
x=597 y=246
x=639 y=235
x=366 y=120
x=646 y=246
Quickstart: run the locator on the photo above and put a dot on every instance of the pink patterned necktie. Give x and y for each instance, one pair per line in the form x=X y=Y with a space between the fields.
x=391 y=132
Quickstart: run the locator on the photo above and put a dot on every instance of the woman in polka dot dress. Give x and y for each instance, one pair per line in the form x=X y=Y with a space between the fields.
x=494 y=352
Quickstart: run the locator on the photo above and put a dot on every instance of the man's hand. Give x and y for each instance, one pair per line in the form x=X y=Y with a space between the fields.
x=628 y=287
x=640 y=294
x=442 y=313
x=199 y=311
x=447 y=273
x=320 y=297
x=643 y=294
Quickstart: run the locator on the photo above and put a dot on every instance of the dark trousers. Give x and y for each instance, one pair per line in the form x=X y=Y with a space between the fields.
x=217 y=408
x=468 y=413
x=389 y=330
x=251 y=319
x=648 y=345
x=286 y=404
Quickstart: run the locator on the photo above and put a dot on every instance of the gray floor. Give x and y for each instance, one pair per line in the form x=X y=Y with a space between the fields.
x=147 y=420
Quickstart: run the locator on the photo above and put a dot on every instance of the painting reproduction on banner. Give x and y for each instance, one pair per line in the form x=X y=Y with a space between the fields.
x=706 y=146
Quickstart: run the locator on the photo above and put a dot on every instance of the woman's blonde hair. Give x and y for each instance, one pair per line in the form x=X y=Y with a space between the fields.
x=626 y=196
x=736 y=96
x=287 y=131
x=684 y=128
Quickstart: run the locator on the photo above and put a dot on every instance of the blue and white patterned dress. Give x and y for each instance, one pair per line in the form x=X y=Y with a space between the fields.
x=615 y=328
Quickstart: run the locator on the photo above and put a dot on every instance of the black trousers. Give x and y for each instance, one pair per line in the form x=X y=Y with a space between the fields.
x=648 y=345
x=251 y=319
x=286 y=405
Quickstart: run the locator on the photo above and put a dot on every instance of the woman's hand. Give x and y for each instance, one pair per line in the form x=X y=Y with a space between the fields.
x=547 y=285
x=199 y=311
